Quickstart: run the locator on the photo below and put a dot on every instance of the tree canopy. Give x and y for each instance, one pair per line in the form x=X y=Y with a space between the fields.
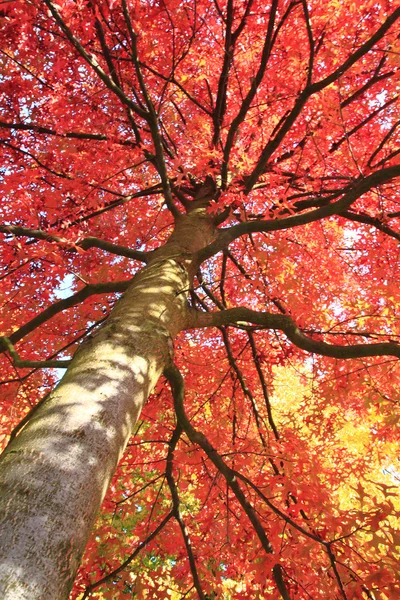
x=264 y=464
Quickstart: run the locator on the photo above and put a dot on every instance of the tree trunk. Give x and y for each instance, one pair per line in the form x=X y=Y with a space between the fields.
x=54 y=475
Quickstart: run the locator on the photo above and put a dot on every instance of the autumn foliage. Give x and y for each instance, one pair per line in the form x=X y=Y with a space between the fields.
x=115 y=116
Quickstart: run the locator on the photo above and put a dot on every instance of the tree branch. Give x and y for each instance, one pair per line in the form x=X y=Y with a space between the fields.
x=132 y=557
x=233 y=363
x=368 y=220
x=286 y=324
x=220 y=103
x=177 y=513
x=151 y=118
x=363 y=49
x=233 y=129
x=308 y=91
x=90 y=290
x=154 y=189
x=92 y=62
x=263 y=384
x=385 y=139
x=374 y=79
x=19 y=363
x=351 y=194
x=197 y=437
x=360 y=125
x=85 y=244
x=78 y=135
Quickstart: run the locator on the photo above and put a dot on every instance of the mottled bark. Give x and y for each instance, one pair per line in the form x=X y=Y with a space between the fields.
x=54 y=475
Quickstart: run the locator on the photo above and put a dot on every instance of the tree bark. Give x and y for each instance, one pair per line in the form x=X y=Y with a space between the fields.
x=55 y=473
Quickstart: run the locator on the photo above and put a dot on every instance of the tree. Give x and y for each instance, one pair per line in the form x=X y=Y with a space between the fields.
x=200 y=204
